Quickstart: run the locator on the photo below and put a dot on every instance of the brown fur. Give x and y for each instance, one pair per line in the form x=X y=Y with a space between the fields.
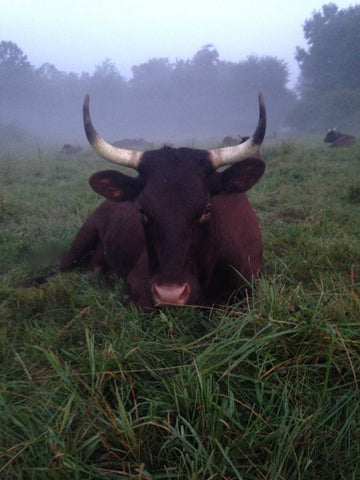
x=179 y=227
x=338 y=139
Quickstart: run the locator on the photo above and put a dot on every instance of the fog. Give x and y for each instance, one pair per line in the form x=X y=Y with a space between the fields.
x=201 y=99
x=108 y=50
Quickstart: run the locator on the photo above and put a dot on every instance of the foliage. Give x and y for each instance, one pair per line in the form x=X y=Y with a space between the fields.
x=198 y=97
x=163 y=101
x=336 y=108
x=332 y=61
x=16 y=75
x=269 y=388
x=11 y=57
x=329 y=83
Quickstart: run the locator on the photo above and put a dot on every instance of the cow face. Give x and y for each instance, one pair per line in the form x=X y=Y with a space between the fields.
x=331 y=136
x=174 y=192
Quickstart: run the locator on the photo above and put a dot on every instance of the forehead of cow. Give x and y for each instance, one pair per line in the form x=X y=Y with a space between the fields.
x=176 y=165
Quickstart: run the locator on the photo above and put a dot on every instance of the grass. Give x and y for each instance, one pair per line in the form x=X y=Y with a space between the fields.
x=266 y=389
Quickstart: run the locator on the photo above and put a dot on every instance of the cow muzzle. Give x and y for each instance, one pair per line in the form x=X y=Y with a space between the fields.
x=171 y=294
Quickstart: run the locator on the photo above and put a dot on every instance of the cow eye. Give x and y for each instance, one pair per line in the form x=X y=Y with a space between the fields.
x=205 y=217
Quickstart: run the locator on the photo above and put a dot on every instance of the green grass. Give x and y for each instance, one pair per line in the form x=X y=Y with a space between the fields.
x=266 y=389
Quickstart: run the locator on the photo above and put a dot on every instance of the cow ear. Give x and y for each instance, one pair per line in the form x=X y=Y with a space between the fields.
x=241 y=176
x=115 y=186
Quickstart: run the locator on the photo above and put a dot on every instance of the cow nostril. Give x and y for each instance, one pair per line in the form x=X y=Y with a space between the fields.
x=171 y=293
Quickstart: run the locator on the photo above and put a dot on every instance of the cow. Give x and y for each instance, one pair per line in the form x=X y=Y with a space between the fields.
x=181 y=232
x=68 y=149
x=338 y=139
x=132 y=143
x=230 y=141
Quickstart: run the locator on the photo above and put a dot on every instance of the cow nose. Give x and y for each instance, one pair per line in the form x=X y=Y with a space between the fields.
x=171 y=293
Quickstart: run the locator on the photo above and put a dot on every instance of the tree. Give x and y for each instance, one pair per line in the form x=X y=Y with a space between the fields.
x=49 y=72
x=107 y=78
x=329 y=83
x=151 y=72
x=12 y=57
x=206 y=58
x=332 y=60
x=17 y=79
x=202 y=97
x=107 y=70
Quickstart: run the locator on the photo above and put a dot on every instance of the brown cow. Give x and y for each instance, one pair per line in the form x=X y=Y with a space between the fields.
x=132 y=143
x=180 y=232
x=68 y=149
x=338 y=139
x=230 y=141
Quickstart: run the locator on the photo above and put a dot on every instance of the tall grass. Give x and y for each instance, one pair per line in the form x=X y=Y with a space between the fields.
x=265 y=389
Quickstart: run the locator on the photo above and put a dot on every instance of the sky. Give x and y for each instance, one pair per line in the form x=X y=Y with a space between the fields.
x=77 y=35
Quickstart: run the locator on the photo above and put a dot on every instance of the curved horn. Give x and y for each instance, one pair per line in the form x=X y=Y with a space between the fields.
x=121 y=156
x=228 y=155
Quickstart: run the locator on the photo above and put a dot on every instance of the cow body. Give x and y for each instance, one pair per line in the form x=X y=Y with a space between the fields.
x=132 y=143
x=208 y=248
x=230 y=141
x=338 y=139
x=68 y=149
x=180 y=232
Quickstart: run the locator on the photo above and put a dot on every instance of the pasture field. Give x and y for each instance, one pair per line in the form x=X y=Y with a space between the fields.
x=266 y=389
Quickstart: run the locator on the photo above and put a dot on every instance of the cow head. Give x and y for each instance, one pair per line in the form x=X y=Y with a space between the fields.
x=332 y=135
x=174 y=192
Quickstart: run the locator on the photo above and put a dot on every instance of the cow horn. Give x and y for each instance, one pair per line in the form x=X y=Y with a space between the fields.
x=121 y=156
x=228 y=155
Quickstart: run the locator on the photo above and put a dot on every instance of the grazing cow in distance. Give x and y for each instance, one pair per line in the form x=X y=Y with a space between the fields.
x=181 y=232
x=132 y=143
x=230 y=141
x=68 y=149
x=338 y=139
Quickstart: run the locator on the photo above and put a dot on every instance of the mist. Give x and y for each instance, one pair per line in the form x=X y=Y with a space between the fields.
x=201 y=99
x=149 y=69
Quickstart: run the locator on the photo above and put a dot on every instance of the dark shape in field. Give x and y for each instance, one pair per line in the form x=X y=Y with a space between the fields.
x=338 y=139
x=231 y=141
x=180 y=232
x=132 y=143
x=68 y=149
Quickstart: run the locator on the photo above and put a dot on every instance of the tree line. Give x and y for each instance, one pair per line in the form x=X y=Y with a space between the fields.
x=329 y=83
x=196 y=98
x=200 y=98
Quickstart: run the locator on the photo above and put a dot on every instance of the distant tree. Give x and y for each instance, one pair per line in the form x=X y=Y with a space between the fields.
x=51 y=83
x=107 y=70
x=242 y=82
x=50 y=72
x=12 y=57
x=50 y=93
x=329 y=83
x=152 y=79
x=106 y=83
x=332 y=59
x=206 y=96
x=265 y=74
x=206 y=58
x=17 y=79
x=107 y=78
x=155 y=70
x=202 y=96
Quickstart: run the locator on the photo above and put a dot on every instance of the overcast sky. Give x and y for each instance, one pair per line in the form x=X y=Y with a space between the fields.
x=77 y=35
